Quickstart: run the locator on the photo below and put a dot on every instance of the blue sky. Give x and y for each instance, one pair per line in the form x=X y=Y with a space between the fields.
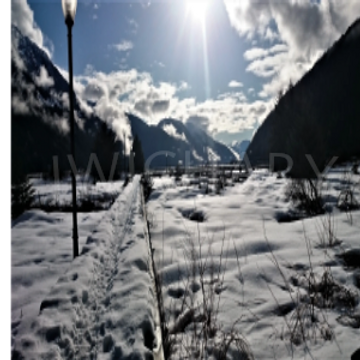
x=223 y=61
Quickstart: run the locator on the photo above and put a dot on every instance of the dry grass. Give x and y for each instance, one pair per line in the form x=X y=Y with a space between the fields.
x=194 y=330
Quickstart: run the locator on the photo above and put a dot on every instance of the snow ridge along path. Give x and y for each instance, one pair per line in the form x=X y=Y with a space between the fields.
x=103 y=306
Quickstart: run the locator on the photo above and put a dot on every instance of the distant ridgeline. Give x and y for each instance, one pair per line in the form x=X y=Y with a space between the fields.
x=320 y=115
x=182 y=141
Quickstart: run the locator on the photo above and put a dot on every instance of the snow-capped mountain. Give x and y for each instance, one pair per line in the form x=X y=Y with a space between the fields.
x=205 y=148
x=183 y=142
x=319 y=116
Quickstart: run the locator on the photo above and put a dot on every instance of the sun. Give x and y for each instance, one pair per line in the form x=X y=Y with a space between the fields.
x=197 y=8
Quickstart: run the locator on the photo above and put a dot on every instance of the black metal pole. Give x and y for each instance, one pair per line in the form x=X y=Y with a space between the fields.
x=72 y=141
x=124 y=155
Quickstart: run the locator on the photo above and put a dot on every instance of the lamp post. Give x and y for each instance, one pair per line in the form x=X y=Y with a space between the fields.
x=69 y=10
x=166 y=164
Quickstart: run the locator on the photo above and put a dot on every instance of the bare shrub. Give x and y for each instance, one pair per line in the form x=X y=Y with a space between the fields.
x=305 y=195
x=147 y=184
x=312 y=294
x=306 y=322
x=219 y=185
x=347 y=201
x=326 y=231
x=194 y=329
x=22 y=196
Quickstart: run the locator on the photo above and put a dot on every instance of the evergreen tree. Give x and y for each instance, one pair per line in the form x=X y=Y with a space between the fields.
x=22 y=196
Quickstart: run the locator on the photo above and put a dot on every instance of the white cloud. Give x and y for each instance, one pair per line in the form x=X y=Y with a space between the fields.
x=23 y=17
x=225 y=114
x=256 y=53
x=93 y=91
x=268 y=66
x=170 y=129
x=271 y=35
x=235 y=84
x=113 y=94
x=184 y=86
x=306 y=28
x=134 y=25
x=238 y=96
x=124 y=45
x=116 y=93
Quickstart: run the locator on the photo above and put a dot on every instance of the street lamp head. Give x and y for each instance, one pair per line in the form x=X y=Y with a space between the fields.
x=69 y=10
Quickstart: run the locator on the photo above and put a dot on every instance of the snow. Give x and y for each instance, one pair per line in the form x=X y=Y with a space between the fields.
x=212 y=156
x=236 y=155
x=241 y=225
x=102 y=304
x=171 y=130
x=60 y=193
x=197 y=156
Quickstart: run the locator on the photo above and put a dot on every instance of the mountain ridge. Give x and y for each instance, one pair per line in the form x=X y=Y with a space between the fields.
x=183 y=142
x=318 y=115
x=39 y=114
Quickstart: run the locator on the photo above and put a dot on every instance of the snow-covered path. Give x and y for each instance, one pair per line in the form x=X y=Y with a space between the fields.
x=102 y=307
x=103 y=304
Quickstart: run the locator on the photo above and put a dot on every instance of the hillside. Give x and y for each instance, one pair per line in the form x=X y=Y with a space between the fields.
x=39 y=113
x=240 y=147
x=183 y=142
x=317 y=116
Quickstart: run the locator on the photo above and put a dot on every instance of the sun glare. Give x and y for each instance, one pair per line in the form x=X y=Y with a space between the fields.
x=197 y=8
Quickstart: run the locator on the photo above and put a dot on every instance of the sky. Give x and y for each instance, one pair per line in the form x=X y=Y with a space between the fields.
x=221 y=62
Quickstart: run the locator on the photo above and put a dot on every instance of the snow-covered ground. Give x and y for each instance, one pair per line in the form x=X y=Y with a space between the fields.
x=255 y=283
x=98 y=306
x=59 y=193
x=41 y=243
x=256 y=271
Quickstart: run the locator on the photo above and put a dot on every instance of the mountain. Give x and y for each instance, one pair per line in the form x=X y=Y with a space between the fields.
x=183 y=142
x=240 y=147
x=216 y=151
x=40 y=122
x=318 y=116
x=204 y=147
x=39 y=113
